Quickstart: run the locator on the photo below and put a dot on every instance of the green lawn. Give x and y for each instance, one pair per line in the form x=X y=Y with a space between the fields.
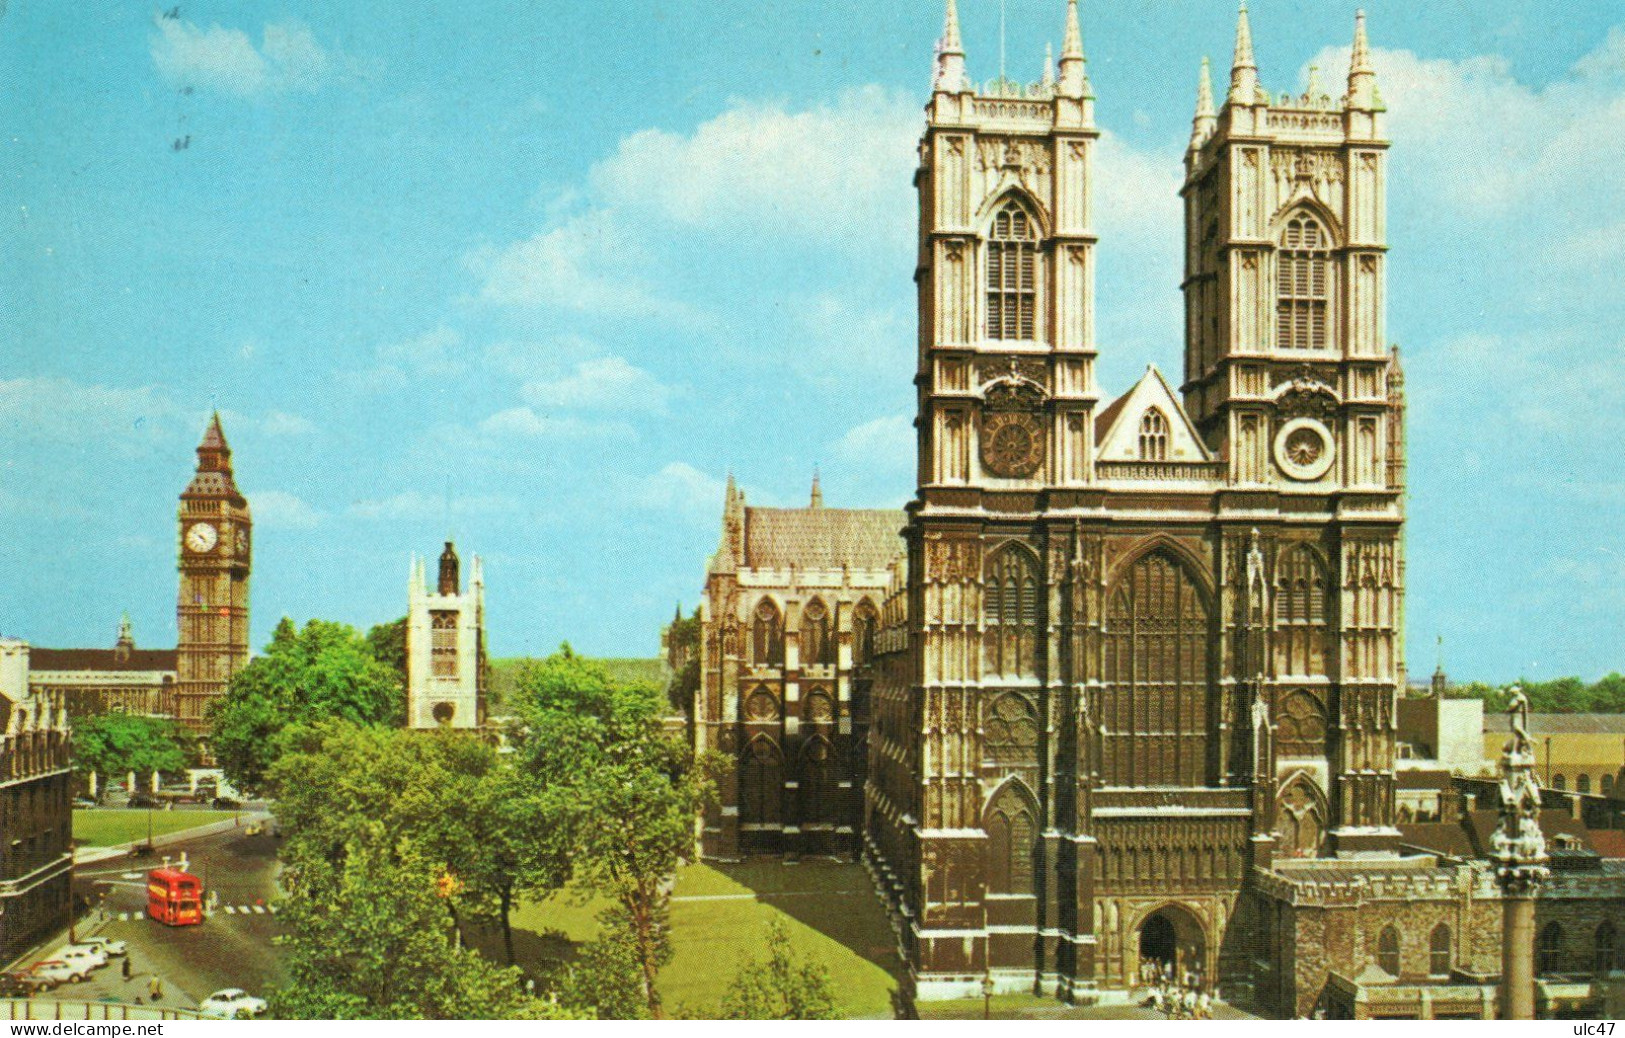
x=719 y=919
x=104 y=827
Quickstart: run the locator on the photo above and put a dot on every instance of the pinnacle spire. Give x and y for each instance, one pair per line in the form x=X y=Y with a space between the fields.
x=1244 y=69
x=817 y=500
x=1074 y=77
x=1049 y=66
x=1362 y=77
x=950 y=77
x=1206 y=121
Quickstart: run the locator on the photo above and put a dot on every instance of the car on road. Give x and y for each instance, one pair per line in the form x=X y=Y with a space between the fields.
x=141 y=800
x=84 y=802
x=82 y=955
x=108 y=946
x=226 y=804
x=231 y=1004
x=54 y=971
x=23 y=984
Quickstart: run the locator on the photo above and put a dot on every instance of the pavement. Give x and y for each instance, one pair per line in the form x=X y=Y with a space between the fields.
x=231 y=948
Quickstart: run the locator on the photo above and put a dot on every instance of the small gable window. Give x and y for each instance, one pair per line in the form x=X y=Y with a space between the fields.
x=1154 y=436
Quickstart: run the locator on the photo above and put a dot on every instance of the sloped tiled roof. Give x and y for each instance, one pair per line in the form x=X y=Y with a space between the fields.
x=1452 y=838
x=1610 y=843
x=101 y=659
x=822 y=538
x=1560 y=724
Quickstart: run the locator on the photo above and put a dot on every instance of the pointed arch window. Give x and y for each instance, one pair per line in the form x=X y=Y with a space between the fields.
x=1012 y=274
x=864 y=623
x=443 y=643
x=819 y=786
x=817 y=648
x=1388 y=951
x=1303 y=291
x=1011 y=832
x=762 y=783
x=767 y=636
x=1301 y=593
x=1549 y=949
x=1010 y=613
x=1154 y=436
x=1439 y=952
x=1605 y=951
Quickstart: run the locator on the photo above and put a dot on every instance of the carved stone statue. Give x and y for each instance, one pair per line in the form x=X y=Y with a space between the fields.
x=1518 y=710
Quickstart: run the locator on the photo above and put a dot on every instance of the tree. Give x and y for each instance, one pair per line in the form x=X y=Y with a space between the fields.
x=113 y=744
x=634 y=790
x=379 y=945
x=606 y=978
x=781 y=987
x=387 y=643
x=324 y=671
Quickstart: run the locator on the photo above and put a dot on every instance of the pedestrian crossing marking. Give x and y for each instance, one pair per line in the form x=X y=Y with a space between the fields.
x=259 y=909
x=231 y=909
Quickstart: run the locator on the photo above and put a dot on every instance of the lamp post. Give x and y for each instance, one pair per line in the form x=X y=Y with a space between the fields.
x=987 y=995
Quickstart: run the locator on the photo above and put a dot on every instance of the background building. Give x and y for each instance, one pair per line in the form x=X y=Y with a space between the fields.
x=36 y=809
x=123 y=679
x=789 y=618
x=445 y=646
x=1584 y=753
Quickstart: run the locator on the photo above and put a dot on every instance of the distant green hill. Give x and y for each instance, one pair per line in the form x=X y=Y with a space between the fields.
x=622 y=670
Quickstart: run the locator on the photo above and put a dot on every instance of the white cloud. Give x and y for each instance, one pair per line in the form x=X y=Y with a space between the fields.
x=218 y=58
x=279 y=510
x=281 y=423
x=606 y=382
x=591 y=261
x=415 y=505
x=883 y=442
x=61 y=412
x=433 y=355
x=682 y=487
x=524 y=423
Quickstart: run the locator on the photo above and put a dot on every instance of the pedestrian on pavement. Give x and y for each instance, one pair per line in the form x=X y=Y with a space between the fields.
x=127 y=969
x=155 y=988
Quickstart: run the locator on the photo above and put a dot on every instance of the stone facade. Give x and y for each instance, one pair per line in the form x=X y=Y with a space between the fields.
x=788 y=622
x=123 y=679
x=36 y=808
x=215 y=549
x=445 y=646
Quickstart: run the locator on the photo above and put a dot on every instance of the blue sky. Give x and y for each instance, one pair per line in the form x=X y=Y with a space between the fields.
x=563 y=265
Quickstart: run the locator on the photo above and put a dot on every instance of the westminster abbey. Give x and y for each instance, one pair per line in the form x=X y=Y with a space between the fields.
x=1119 y=687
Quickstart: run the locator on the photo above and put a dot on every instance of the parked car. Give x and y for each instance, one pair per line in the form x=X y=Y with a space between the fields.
x=109 y=947
x=23 y=984
x=226 y=804
x=141 y=800
x=84 y=802
x=231 y=1004
x=82 y=955
x=55 y=971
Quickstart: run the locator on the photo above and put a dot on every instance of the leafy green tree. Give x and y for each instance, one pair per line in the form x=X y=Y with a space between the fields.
x=1568 y=695
x=387 y=643
x=324 y=671
x=379 y=945
x=634 y=791
x=113 y=744
x=606 y=978
x=781 y=987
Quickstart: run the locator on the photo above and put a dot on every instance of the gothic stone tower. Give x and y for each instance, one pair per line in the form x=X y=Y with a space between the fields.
x=212 y=611
x=445 y=646
x=1128 y=661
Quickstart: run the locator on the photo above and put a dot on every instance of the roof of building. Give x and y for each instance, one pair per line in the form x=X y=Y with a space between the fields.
x=822 y=538
x=1610 y=843
x=102 y=659
x=1423 y=778
x=1560 y=724
x=1450 y=838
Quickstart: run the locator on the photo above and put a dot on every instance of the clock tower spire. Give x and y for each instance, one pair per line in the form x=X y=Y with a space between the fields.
x=212 y=609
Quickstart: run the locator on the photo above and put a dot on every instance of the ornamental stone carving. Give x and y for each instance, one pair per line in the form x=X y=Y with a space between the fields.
x=1012 y=444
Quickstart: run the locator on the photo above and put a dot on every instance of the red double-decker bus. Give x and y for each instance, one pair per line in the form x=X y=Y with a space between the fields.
x=174 y=897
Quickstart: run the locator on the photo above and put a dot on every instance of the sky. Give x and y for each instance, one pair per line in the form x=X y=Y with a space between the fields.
x=537 y=275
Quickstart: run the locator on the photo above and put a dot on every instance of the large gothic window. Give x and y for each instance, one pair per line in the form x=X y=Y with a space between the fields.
x=1010 y=613
x=864 y=624
x=819 y=789
x=1300 y=819
x=1605 y=949
x=817 y=647
x=1012 y=274
x=1154 y=436
x=761 y=783
x=1155 y=703
x=1300 y=726
x=767 y=636
x=1388 y=951
x=1549 y=949
x=1301 y=630
x=1010 y=731
x=443 y=643
x=1303 y=267
x=1011 y=825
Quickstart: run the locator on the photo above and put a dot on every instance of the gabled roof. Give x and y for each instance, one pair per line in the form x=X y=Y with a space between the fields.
x=101 y=659
x=1117 y=428
x=822 y=538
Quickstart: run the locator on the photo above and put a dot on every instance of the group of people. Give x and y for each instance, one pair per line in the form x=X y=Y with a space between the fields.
x=1177 y=995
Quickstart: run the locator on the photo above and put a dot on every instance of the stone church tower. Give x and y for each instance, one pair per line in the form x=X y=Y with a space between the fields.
x=212 y=611
x=445 y=646
x=1145 y=646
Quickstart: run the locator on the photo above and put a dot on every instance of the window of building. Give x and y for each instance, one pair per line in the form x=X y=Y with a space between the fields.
x=1605 y=953
x=1154 y=436
x=767 y=636
x=1388 y=951
x=1301 y=725
x=1303 y=265
x=1549 y=949
x=1302 y=636
x=443 y=643
x=1010 y=613
x=1439 y=952
x=1608 y=785
x=1010 y=730
x=1559 y=782
x=817 y=647
x=1582 y=783
x=820 y=790
x=1010 y=837
x=1012 y=275
x=864 y=623
x=762 y=783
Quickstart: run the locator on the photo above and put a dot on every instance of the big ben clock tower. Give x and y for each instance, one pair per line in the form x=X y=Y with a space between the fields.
x=212 y=611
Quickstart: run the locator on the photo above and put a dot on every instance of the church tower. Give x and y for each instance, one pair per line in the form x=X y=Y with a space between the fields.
x=212 y=611
x=445 y=645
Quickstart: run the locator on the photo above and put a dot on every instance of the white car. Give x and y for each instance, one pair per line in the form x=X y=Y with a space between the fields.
x=231 y=1003
x=55 y=971
x=82 y=955
x=107 y=945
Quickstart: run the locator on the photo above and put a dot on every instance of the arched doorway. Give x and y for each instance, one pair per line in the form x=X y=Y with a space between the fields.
x=1173 y=944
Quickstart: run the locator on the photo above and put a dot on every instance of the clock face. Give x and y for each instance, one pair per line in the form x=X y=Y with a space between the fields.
x=1012 y=444
x=201 y=538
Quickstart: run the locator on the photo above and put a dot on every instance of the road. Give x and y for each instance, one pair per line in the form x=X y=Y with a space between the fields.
x=232 y=948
